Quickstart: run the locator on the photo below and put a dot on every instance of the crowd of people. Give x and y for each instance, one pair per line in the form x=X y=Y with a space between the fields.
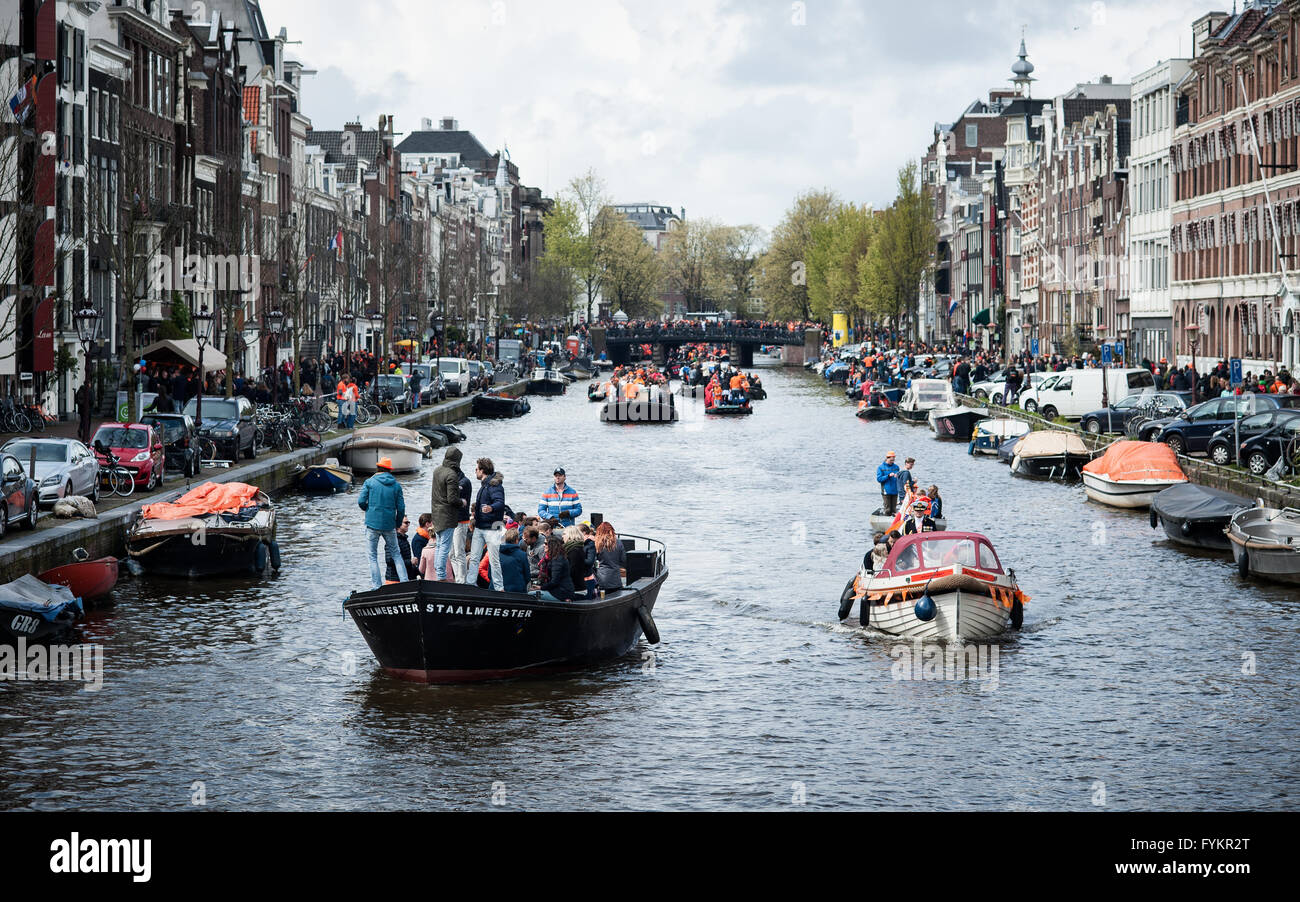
x=473 y=537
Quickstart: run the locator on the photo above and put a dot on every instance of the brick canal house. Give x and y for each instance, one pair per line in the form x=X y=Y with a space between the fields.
x=1235 y=222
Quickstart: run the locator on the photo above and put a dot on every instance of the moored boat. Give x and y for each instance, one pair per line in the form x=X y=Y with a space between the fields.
x=37 y=611
x=86 y=579
x=1196 y=515
x=547 y=382
x=729 y=408
x=956 y=423
x=366 y=446
x=990 y=434
x=211 y=530
x=434 y=632
x=496 y=406
x=330 y=476
x=1266 y=543
x=938 y=585
x=1129 y=474
x=1049 y=454
x=923 y=396
x=648 y=407
x=597 y=390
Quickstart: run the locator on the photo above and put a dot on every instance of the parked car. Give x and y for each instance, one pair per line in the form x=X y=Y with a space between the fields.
x=64 y=467
x=455 y=372
x=432 y=388
x=1191 y=432
x=1076 y=392
x=180 y=451
x=18 y=495
x=228 y=422
x=1113 y=419
x=138 y=447
x=1222 y=448
x=1262 y=451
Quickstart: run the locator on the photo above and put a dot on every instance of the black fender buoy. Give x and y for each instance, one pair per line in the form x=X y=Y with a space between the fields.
x=1186 y=528
x=1017 y=614
x=648 y=625
x=259 y=557
x=1243 y=563
x=846 y=599
x=275 y=554
x=1155 y=521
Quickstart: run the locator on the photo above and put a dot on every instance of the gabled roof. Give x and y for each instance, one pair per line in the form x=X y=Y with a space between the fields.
x=1240 y=28
x=448 y=141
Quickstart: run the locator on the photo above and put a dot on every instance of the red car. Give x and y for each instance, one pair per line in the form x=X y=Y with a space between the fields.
x=136 y=446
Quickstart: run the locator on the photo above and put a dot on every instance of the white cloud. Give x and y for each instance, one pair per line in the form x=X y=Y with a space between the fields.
x=726 y=108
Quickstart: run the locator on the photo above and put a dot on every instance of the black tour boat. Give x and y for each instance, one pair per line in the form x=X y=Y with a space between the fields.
x=956 y=423
x=547 y=382
x=442 y=632
x=640 y=410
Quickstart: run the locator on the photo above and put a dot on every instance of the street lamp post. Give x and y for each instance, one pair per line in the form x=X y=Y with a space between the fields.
x=202 y=334
x=348 y=319
x=274 y=323
x=87 y=319
x=1194 y=334
x=377 y=319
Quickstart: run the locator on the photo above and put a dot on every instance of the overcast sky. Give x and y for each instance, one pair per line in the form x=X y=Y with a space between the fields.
x=725 y=108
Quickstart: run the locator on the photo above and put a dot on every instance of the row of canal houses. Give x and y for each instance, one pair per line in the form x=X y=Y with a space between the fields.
x=1163 y=213
x=158 y=153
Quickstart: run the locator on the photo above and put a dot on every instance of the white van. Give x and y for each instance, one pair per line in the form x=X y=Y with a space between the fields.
x=455 y=373
x=1073 y=393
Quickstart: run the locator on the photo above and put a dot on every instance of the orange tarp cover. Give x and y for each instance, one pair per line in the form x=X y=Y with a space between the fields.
x=209 y=498
x=1127 y=461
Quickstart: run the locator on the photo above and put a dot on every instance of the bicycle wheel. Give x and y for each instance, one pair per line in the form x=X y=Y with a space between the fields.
x=38 y=422
x=207 y=449
x=365 y=415
x=319 y=421
x=21 y=422
x=125 y=483
x=308 y=437
x=108 y=482
x=283 y=438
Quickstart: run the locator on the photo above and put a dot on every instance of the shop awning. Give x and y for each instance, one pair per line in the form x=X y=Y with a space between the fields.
x=982 y=318
x=184 y=350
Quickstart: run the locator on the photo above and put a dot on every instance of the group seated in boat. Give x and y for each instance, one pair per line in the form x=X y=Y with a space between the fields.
x=727 y=387
x=631 y=383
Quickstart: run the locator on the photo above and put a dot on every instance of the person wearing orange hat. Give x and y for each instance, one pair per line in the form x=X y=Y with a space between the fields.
x=385 y=506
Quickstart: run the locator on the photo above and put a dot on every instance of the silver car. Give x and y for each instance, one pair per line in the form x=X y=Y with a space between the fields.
x=64 y=467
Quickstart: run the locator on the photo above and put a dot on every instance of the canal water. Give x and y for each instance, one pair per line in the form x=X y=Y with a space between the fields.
x=1145 y=677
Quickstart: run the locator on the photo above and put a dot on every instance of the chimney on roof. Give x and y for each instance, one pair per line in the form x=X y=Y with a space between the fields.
x=448 y=124
x=1105 y=80
x=426 y=124
x=352 y=127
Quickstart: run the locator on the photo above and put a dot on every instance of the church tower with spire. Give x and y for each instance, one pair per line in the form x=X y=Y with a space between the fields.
x=1021 y=71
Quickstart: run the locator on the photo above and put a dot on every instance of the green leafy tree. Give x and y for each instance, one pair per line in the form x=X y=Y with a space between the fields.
x=634 y=274
x=783 y=276
x=901 y=255
x=739 y=251
x=692 y=263
x=835 y=260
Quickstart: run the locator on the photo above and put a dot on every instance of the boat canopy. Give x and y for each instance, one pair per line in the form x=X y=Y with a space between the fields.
x=1189 y=503
x=1129 y=461
x=209 y=498
x=1051 y=442
x=31 y=595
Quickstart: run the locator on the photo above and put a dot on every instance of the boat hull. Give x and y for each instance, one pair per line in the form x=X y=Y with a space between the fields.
x=437 y=632
x=219 y=554
x=1269 y=541
x=322 y=478
x=955 y=427
x=958 y=615
x=1206 y=535
x=1131 y=495
x=915 y=417
x=87 y=580
x=498 y=407
x=547 y=387
x=1067 y=467
x=637 y=411
x=875 y=413
x=729 y=410
x=364 y=457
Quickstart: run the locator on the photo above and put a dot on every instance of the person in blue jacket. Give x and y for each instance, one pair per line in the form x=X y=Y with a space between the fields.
x=488 y=523
x=560 y=502
x=385 y=507
x=515 y=569
x=887 y=476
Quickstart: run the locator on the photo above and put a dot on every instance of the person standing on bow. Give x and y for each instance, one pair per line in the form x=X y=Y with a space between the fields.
x=489 y=519
x=560 y=501
x=887 y=476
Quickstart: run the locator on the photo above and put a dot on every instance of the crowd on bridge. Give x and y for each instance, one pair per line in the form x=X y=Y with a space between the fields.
x=713 y=330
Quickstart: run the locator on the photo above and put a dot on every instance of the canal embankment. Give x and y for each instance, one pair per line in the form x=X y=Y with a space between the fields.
x=1199 y=471
x=53 y=542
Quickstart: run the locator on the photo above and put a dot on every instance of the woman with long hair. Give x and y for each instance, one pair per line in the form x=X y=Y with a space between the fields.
x=611 y=559
x=559 y=584
x=576 y=554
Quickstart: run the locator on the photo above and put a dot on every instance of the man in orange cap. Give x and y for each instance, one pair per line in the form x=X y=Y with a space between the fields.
x=385 y=506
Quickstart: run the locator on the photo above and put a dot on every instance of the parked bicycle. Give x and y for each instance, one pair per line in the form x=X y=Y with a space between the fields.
x=13 y=419
x=113 y=477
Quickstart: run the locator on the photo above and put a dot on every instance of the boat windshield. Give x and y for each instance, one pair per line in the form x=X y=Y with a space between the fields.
x=945 y=552
x=928 y=396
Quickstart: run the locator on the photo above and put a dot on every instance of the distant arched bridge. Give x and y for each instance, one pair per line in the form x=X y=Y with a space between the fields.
x=618 y=341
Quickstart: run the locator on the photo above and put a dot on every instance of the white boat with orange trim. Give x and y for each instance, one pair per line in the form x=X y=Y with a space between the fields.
x=937 y=585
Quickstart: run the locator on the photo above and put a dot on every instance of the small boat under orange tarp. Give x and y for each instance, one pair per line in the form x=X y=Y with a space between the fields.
x=1129 y=474
x=209 y=498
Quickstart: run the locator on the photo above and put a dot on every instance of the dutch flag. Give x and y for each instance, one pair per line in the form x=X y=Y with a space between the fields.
x=336 y=243
x=952 y=306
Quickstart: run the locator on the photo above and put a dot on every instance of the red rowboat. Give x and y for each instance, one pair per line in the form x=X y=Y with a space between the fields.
x=86 y=579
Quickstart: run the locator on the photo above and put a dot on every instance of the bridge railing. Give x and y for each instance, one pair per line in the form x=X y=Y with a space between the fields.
x=739 y=334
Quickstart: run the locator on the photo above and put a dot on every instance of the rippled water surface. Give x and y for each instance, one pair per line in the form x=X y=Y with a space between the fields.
x=1125 y=686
